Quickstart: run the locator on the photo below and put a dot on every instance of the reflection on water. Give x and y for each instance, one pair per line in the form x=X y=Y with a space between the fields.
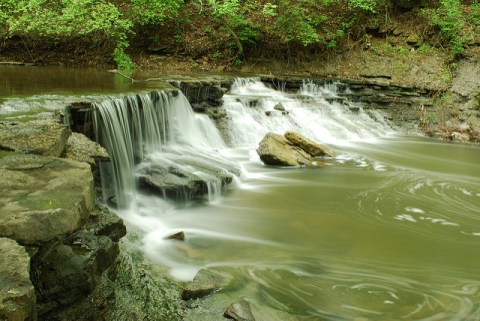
x=34 y=80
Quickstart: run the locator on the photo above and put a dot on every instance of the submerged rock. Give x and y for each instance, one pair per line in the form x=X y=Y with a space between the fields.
x=35 y=137
x=276 y=150
x=17 y=295
x=239 y=311
x=205 y=283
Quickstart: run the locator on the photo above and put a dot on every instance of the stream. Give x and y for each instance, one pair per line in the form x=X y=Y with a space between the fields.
x=389 y=229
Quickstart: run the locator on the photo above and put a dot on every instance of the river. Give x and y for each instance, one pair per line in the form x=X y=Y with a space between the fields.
x=389 y=229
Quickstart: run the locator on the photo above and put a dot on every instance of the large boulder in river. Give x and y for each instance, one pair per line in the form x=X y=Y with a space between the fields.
x=43 y=198
x=312 y=148
x=292 y=149
x=275 y=149
x=17 y=295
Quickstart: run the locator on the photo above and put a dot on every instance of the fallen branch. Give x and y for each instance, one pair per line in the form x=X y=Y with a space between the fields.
x=116 y=71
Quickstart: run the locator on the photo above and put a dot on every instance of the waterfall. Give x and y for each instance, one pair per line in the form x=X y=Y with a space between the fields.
x=136 y=129
x=156 y=141
x=317 y=112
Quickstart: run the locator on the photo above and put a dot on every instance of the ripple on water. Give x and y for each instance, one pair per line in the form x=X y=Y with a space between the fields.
x=339 y=293
x=428 y=204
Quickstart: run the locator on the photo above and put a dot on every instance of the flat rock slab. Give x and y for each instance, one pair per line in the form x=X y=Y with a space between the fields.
x=42 y=198
x=205 y=283
x=35 y=137
x=17 y=295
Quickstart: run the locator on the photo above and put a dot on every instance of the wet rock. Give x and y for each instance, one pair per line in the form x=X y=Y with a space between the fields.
x=80 y=148
x=17 y=295
x=312 y=148
x=179 y=236
x=205 y=283
x=102 y=222
x=64 y=273
x=187 y=179
x=52 y=195
x=239 y=311
x=81 y=118
x=35 y=137
x=203 y=94
x=276 y=150
x=69 y=273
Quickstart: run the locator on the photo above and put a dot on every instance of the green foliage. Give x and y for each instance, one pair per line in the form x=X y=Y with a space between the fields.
x=475 y=15
x=153 y=12
x=297 y=23
x=98 y=20
x=424 y=48
x=366 y=5
x=232 y=16
x=66 y=19
x=269 y=9
x=448 y=17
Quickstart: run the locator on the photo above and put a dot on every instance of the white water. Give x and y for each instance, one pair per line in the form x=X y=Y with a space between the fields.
x=309 y=113
x=155 y=127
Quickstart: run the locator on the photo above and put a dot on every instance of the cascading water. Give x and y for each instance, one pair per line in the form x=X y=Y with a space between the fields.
x=316 y=112
x=156 y=127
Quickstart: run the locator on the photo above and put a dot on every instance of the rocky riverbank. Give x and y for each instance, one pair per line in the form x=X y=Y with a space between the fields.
x=56 y=242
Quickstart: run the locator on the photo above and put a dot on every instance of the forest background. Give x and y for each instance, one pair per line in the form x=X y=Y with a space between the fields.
x=226 y=32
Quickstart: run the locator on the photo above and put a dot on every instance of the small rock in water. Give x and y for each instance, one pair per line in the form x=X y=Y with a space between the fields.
x=239 y=311
x=179 y=236
x=205 y=283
